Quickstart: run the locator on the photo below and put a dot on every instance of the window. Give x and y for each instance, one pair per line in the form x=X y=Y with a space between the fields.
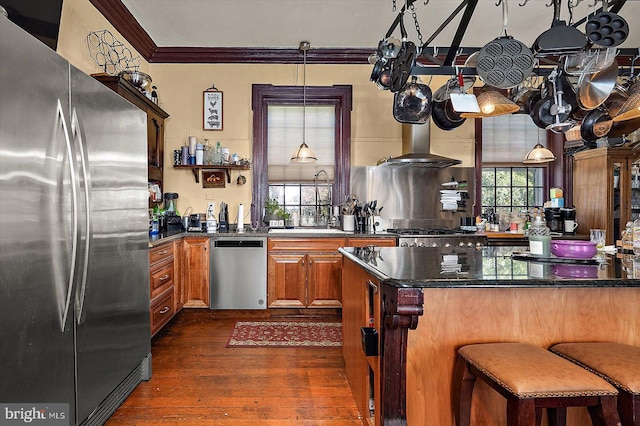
x=512 y=188
x=277 y=131
x=505 y=183
x=300 y=187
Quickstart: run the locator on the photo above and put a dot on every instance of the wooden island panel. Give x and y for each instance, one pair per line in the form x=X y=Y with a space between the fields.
x=542 y=316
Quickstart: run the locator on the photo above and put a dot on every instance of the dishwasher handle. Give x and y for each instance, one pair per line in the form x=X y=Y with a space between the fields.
x=238 y=243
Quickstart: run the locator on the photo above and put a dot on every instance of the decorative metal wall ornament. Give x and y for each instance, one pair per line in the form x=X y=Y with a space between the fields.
x=110 y=54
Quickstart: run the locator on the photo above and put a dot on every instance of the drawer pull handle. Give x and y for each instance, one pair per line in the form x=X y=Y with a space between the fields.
x=373 y=286
x=164 y=277
x=164 y=310
x=165 y=251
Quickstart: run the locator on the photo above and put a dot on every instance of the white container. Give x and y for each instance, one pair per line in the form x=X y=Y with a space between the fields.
x=199 y=154
x=348 y=223
x=225 y=155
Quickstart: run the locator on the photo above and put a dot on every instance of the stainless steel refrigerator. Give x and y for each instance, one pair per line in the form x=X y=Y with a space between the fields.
x=74 y=268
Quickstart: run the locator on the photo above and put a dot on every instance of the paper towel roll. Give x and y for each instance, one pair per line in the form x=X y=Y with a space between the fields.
x=240 y=217
x=192 y=145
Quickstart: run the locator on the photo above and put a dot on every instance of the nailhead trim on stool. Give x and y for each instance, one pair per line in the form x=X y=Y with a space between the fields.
x=617 y=363
x=531 y=378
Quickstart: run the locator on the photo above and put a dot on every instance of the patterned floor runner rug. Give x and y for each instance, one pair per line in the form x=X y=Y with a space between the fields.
x=285 y=334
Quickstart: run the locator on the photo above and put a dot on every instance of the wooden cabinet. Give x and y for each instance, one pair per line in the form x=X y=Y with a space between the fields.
x=378 y=242
x=598 y=201
x=179 y=294
x=196 y=275
x=155 y=121
x=361 y=308
x=304 y=273
x=162 y=276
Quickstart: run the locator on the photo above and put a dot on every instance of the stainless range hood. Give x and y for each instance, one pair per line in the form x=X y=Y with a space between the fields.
x=416 y=142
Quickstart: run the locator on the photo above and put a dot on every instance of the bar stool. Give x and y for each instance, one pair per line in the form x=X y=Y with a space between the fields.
x=531 y=378
x=617 y=363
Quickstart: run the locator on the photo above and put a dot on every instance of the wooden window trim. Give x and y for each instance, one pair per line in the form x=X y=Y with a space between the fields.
x=559 y=172
x=265 y=94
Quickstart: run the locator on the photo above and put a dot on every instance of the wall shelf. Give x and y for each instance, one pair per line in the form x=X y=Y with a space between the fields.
x=226 y=167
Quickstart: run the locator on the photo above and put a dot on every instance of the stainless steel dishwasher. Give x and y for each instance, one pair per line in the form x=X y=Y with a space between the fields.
x=238 y=272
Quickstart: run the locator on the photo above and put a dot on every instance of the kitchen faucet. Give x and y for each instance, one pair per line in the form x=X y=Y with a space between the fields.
x=322 y=209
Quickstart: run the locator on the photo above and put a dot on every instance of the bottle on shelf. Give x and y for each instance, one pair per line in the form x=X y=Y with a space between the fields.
x=217 y=154
x=208 y=153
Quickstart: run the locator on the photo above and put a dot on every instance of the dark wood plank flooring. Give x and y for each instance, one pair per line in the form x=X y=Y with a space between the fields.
x=197 y=380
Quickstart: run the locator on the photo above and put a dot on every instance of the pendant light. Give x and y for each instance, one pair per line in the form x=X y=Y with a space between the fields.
x=539 y=154
x=304 y=154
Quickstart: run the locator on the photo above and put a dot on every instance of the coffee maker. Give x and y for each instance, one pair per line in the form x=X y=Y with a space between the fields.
x=569 y=223
x=553 y=217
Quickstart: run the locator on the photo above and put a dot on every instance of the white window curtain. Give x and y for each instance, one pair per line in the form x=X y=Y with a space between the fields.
x=508 y=138
x=285 y=136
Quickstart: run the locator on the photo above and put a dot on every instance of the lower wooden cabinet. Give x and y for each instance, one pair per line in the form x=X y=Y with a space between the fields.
x=304 y=273
x=307 y=272
x=162 y=310
x=179 y=269
x=162 y=285
x=361 y=308
x=196 y=275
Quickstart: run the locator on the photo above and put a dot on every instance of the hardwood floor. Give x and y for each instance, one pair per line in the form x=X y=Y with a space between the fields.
x=196 y=380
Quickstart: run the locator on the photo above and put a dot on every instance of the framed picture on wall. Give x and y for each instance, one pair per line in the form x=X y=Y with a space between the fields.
x=213 y=179
x=212 y=110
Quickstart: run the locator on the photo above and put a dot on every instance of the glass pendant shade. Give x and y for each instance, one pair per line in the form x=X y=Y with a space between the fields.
x=539 y=154
x=304 y=154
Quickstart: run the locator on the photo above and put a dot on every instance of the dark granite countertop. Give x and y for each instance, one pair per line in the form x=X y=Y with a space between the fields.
x=162 y=238
x=486 y=267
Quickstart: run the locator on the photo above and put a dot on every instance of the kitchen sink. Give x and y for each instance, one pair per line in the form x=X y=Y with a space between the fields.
x=306 y=231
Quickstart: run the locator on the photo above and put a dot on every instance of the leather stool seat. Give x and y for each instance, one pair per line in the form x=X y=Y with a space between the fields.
x=532 y=378
x=617 y=363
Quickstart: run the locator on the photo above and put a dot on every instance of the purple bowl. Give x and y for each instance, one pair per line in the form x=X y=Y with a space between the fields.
x=575 y=271
x=574 y=248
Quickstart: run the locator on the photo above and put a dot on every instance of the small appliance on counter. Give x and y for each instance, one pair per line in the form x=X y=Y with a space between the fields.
x=195 y=224
x=212 y=224
x=171 y=222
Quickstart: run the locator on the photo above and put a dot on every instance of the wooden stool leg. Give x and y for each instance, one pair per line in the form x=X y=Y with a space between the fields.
x=557 y=416
x=605 y=413
x=462 y=399
x=629 y=408
x=521 y=412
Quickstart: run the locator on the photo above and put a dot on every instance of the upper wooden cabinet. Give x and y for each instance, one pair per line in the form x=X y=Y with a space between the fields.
x=155 y=121
x=601 y=199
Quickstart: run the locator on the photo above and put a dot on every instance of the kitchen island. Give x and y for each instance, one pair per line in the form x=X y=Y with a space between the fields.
x=424 y=303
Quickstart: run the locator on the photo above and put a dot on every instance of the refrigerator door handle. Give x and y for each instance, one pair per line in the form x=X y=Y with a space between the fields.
x=76 y=129
x=74 y=218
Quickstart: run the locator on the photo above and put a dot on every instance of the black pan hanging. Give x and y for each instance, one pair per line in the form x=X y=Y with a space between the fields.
x=607 y=29
x=504 y=62
x=560 y=39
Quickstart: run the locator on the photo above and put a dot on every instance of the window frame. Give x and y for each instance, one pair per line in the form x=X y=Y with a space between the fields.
x=264 y=95
x=554 y=173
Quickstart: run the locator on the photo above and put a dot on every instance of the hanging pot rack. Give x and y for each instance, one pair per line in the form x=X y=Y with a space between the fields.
x=443 y=60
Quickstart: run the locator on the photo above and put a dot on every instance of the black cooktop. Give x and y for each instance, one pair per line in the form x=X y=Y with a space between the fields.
x=422 y=231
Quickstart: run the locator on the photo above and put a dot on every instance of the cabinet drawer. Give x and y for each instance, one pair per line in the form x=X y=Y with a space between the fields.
x=305 y=244
x=160 y=253
x=161 y=277
x=378 y=242
x=162 y=310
